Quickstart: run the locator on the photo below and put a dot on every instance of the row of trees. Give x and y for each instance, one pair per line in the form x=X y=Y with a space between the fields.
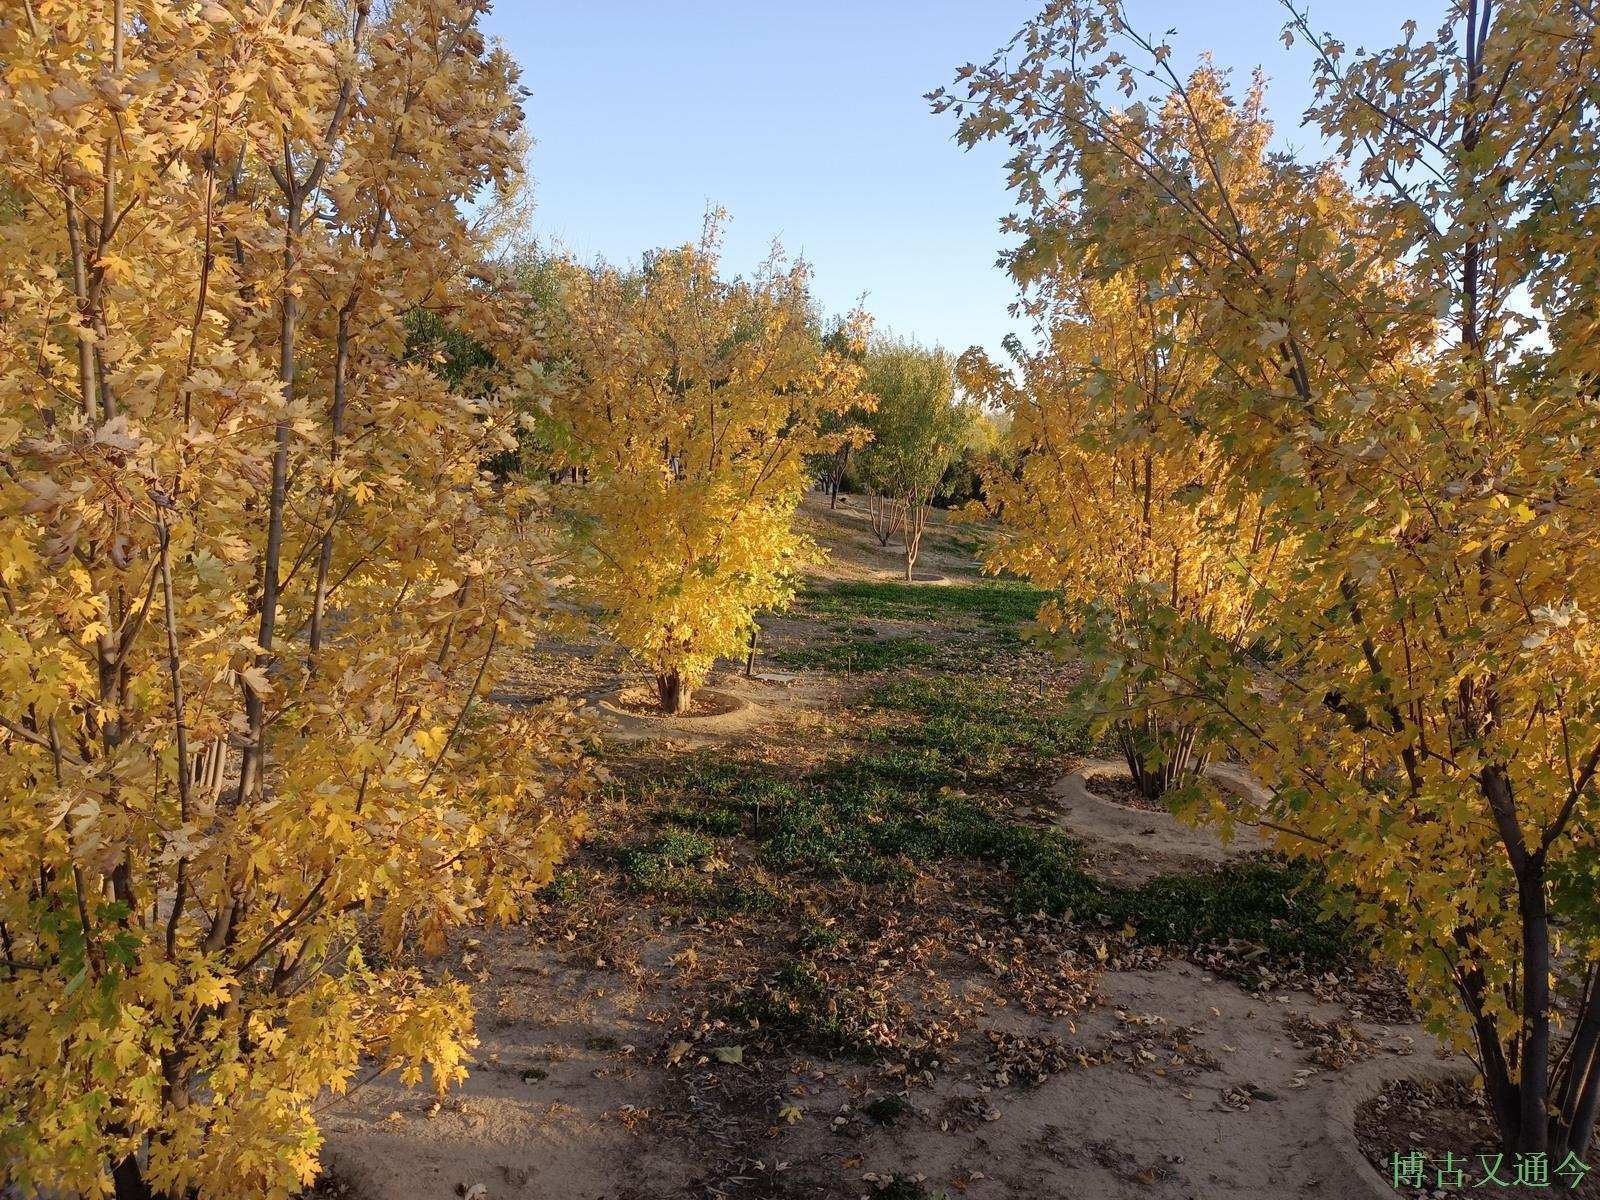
x=264 y=401
x=1308 y=455
x=265 y=539
x=254 y=578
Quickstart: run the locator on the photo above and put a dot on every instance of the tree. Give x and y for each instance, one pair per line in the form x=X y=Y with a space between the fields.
x=1424 y=697
x=846 y=337
x=693 y=401
x=1115 y=510
x=983 y=453
x=917 y=429
x=254 y=582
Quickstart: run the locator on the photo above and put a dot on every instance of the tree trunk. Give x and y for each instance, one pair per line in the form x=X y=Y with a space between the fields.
x=916 y=520
x=1588 y=1108
x=885 y=514
x=1538 y=1109
x=1535 y=1065
x=673 y=692
x=1580 y=1088
x=1150 y=782
x=840 y=461
x=1498 y=1084
x=1178 y=752
x=127 y=1180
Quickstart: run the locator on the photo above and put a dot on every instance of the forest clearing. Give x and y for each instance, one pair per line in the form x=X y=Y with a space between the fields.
x=481 y=718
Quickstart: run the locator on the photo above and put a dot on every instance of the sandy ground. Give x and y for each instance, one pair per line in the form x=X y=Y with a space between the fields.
x=1155 y=1078
x=1202 y=1093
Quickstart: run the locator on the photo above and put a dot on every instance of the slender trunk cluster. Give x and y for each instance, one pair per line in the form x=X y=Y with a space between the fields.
x=1543 y=1102
x=887 y=515
x=914 y=520
x=1161 y=755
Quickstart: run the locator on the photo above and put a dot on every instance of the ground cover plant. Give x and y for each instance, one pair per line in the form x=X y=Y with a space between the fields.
x=936 y=784
x=998 y=603
x=864 y=654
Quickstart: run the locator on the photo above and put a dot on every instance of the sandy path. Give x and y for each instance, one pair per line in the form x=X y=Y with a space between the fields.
x=1196 y=1087
x=566 y=1105
x=1253 y=1126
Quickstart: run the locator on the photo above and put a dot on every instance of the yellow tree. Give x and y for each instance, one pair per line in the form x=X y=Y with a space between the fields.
x=254 y=580
x=1428 y=708
x=1114 y=506
x=693 y=402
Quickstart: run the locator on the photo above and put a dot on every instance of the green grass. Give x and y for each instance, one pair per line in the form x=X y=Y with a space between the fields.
x=657 y=863
x=686 y=867
x=904 y=802
x=997 y=602
x=564 y=889
x=715 y=795
x=876 y=818
x=872 y=818
x=984 y=726
x=962 y=541
x=1280 y=905
x=814 y=936
x=800 y=1004
x=865 y=654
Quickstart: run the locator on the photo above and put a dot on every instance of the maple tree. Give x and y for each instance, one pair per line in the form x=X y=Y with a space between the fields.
x=917 y=429
x=693 y=402
x=1399 y=357
x=1113 y=508
x=254 y=580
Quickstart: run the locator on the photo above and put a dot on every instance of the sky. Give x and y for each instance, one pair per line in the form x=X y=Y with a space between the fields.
x=806 y=122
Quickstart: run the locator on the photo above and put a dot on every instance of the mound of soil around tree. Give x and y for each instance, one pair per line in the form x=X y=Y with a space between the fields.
x=643 y=702
x=1119 y=789
x=1448 y=1124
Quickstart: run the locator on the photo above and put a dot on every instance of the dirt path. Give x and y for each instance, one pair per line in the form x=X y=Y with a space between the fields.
x=1197 y=1088
x=841 y=1039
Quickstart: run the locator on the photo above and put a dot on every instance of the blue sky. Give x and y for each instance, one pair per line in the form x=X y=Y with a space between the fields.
x=806 y=122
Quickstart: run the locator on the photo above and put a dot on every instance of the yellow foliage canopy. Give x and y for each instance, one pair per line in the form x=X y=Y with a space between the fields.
x=693 y=402
x=1425 y=692
x=253 y=579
